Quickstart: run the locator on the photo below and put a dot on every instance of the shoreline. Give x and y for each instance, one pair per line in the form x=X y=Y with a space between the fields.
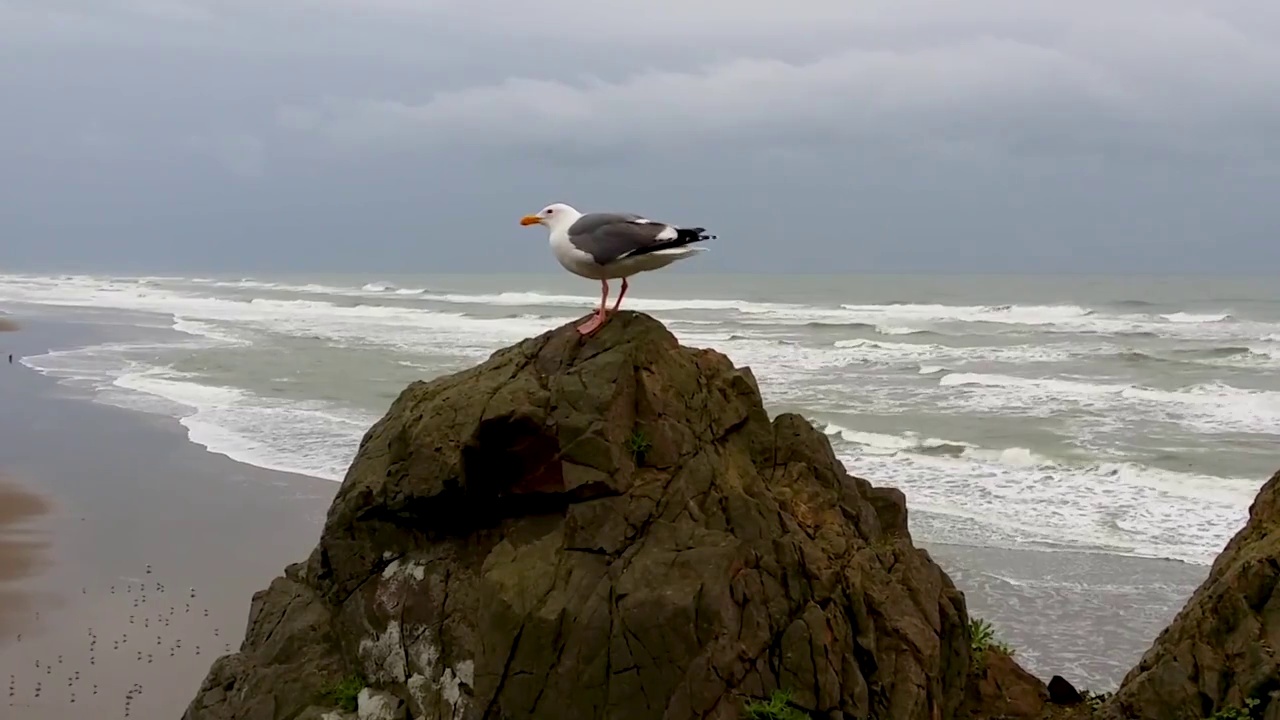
x=155 y=549
x=1058 y=627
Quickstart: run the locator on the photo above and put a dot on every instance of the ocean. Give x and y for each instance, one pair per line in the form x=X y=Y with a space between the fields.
x=1132 y=416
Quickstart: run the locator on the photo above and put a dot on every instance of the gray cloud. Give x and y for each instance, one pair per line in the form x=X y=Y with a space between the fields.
x=994 y=134
x=1191 y=74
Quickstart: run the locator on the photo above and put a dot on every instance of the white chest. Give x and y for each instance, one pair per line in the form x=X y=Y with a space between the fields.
x=573 y=259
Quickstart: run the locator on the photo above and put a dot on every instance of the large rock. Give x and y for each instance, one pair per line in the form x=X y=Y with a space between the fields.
x=611 y=528
x=1221 y=649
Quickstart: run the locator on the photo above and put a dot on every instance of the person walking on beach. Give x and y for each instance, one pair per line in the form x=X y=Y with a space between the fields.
x=10 y=358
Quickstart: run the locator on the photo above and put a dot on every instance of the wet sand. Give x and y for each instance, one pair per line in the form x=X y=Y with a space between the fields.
x=144 y=554
x=22 y=547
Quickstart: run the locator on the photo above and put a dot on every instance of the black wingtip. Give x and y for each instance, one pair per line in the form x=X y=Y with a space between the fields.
x=696 y=234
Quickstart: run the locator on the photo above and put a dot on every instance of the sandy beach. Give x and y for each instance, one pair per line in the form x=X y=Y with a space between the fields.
x=129 y=555
x=139 y=553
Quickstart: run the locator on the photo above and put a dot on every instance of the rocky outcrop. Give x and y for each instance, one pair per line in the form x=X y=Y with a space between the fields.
x=288 y=659
x=1000 y=688
x=1223 y=650
x=605 y=527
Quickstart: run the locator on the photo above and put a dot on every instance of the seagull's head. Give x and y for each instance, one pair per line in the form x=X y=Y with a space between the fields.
x=554 y=217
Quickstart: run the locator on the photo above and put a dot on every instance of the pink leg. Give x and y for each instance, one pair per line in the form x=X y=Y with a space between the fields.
x=598 y=318
x=618 y=302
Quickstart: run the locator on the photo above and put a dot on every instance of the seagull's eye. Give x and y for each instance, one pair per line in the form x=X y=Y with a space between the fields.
x=549 y=211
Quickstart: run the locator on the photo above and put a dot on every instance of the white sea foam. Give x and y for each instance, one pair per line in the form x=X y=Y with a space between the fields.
x=1268 y=352
x=535 y=299
x=207 y=330
x=890 y=319
x=1184 y=317
x=1022 y=496
x=311 y=438
x=908 y=353
x=1006 y=314
x=375 y=288
x=893 y=330
x=391 y=326
x=314 y=439
x=1208 y=407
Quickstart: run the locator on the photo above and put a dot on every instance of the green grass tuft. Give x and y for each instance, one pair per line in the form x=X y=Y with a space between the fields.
x=778 y=708
x=1236 y=713
x=343 y=695
x=638 y=445
x=982 y=638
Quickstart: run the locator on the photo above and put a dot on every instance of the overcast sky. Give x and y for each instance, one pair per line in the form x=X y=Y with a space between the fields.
x=813 y=135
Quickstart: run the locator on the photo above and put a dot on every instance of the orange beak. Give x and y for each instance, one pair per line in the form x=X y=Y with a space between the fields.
x=530 y=220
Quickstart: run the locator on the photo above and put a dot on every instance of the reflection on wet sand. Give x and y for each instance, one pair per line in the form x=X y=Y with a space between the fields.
x=22 y=551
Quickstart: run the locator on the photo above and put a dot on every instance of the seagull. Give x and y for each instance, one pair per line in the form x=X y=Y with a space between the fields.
x=608 y=246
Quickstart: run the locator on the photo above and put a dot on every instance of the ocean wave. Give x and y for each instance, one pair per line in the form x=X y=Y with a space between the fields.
x=1007 y=314
x=538 y=299
x=1228 y=356
x=209 y=331
x=395 y=326
x=1137 y=356
x=309 y=438
x=1215 y=352
x=911 y=353
x=1243 y=355
x=893 y=330
x=1023 y=496
x=386 y=287
x=898 y=317
x=1205 y=407
x=1185 y=317
x=830 y=325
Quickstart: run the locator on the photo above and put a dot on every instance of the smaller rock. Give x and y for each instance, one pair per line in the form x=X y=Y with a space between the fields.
x=1062 y=692
x=1002 y=689
x=379 y=705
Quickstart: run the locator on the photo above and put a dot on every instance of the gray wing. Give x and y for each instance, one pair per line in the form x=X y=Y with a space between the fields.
x=607 y=237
